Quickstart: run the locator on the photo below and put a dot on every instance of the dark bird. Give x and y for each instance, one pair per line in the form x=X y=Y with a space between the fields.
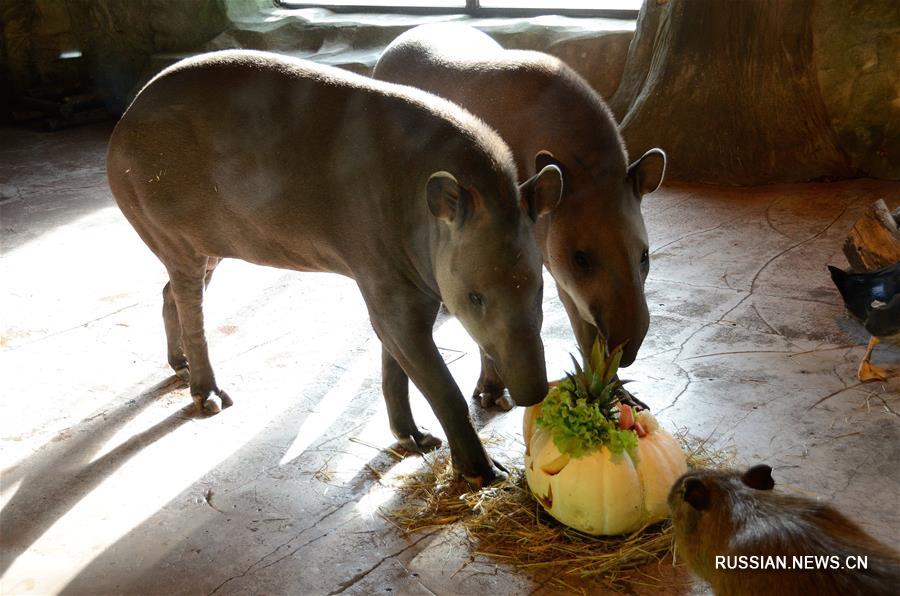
x=874 y=299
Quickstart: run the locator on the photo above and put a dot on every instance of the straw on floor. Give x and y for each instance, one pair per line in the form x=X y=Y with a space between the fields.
x=504 y=522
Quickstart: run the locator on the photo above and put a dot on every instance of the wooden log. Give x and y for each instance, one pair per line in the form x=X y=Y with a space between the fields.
x=874 y=241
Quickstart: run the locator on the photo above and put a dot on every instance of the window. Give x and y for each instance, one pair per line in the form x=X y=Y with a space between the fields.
x=373 y=4
x=599 y=8
x=564 y=4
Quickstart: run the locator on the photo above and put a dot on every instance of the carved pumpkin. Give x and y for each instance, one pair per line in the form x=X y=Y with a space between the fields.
x=591 y=462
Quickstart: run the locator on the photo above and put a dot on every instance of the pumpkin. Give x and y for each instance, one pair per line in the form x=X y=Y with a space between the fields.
x=591 y=461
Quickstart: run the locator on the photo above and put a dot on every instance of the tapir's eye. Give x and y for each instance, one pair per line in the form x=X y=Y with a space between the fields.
x=581 y=260
x=476 y=299
x=645 y=258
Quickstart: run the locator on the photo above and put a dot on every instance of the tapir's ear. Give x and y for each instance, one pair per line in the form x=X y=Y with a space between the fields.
x=545 y=158
x=759 y=477
x=646 y=174
x=447 y=199
x=541 y=193
x=696 y=493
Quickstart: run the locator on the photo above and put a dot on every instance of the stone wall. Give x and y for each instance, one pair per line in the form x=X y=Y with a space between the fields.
x=856 y=44
x=857 y=54
x=34 y=35
x=593 y=47
x=124 y=42
x=104 y=45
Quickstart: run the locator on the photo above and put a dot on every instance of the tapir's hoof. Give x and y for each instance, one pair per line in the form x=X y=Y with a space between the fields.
x=496 y=475
x=422 y=442
x=493 y=395
x=179 y=364
x=505 y=402
x=211 y=404
x=628 y=399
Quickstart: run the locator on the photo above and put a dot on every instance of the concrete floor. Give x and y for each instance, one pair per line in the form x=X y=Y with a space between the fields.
x=108 y=486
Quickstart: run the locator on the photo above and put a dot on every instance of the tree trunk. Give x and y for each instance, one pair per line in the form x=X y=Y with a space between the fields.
x=729 y=91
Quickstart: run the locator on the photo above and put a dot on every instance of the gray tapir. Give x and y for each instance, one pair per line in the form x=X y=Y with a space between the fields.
x=594 y=243
x=285 y=163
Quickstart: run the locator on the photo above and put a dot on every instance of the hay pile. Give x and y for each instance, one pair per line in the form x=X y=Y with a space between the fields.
x=504 y=522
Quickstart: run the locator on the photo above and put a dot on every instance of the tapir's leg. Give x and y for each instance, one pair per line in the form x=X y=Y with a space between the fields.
x=404 y=326
x=395 y=385
x=187 y=290
x=489 y=390
x=177 y=360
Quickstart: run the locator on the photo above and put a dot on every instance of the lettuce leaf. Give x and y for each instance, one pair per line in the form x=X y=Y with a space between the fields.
x=579 y=427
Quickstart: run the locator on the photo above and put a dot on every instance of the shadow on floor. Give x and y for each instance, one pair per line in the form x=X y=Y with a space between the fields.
x=306 y=499
x=289 y=508
x=61 y=472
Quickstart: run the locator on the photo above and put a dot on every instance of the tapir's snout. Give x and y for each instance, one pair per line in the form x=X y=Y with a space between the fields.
x=528 y=394
x=629 y=353
x=522 y=367
x=627 y=330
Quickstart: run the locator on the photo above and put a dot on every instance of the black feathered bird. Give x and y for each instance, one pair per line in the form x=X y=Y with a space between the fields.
x=874 y=299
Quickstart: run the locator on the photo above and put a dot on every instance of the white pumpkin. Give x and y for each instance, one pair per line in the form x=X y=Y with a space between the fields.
x=602 y=493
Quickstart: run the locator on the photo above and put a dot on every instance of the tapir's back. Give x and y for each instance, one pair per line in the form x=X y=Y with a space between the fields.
x=272 y=159
x=532 y=99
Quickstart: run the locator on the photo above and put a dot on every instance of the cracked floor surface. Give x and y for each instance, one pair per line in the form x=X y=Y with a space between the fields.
x=109 y=487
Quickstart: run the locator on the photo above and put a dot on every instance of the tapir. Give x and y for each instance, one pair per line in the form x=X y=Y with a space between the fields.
x=285 y=163
x=594 y=242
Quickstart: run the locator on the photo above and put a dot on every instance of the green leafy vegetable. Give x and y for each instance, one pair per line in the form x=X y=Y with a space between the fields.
x=581 y=413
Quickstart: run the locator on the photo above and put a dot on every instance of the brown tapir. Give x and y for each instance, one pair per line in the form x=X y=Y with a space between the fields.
x=285 y=163
x=594 y=243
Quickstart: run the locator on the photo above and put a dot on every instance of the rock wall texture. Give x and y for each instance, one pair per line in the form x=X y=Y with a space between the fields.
x=772 y=90
x=728 y=90
x=763 y=91
x=125 y=42
x=856 y=47
x=35 y=33
x=115 y=38
x=595 y=48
